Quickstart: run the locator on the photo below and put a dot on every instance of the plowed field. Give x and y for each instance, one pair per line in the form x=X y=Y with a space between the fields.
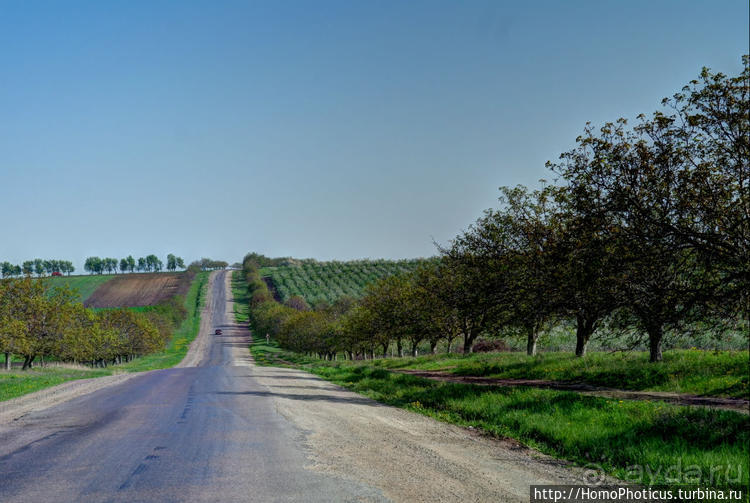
x=131 y=290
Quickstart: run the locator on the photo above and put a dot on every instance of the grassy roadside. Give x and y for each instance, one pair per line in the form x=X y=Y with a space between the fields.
x=241 y=298
x=710 y=373
x=14 y=384
x=632 y=440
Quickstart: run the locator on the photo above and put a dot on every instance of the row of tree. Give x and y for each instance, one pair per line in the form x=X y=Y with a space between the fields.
x=38 y=266
x=150 y=263
x=647 y=229
x=37 y=321
x=207 y=264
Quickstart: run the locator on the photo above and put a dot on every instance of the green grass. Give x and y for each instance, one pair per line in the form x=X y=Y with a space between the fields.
x=241 y=298
x=327 y=281
x=17 y=383
x=85 y=285
x=612 y=434
x=711 y=373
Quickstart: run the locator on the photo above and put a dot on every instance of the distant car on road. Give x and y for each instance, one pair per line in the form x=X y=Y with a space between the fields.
x=57 y=273
x=217 y=331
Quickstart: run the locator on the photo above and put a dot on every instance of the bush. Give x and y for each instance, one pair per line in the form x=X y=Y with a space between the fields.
x=490 y=346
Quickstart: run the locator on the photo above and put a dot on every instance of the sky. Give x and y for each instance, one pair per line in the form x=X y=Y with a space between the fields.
x=332 y=130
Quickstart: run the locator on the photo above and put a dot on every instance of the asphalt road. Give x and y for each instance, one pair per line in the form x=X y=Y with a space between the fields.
x=204 y=433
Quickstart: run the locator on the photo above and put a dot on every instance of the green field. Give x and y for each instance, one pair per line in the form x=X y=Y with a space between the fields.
x=608 y=433
x=327 y=281
x=17 y=383
x=85 y=285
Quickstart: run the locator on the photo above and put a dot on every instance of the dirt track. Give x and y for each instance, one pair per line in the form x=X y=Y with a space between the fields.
x=735 y=404
x=131 y=290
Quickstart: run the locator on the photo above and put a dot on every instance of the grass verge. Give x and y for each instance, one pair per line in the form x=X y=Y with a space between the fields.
x=241 y=298
x=632 y=440
x=16 y=383
x=708 y=373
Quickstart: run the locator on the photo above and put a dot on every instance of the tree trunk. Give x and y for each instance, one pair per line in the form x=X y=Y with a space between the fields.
x=584 y=328
x=450 y=343
x=533 y=336
x=400 y=348
x=27 y=362
x=385 y=350
x=433 y=347
x=414 y=350
x=468 y=343
x=7 y=361
x=655 y=335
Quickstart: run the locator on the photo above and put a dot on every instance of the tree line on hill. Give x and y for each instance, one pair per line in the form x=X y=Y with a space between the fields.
x=150 y=263
x=38 y=266
x=94 y=265
x=207 y=264
x=39 y=321
x=647 y=229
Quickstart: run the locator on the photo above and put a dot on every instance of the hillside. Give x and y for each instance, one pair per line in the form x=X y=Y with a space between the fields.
x=85 y=285
x=315 y=281
x=131 y=290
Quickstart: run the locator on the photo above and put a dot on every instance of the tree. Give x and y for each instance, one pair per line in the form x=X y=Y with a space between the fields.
x=586 y=263
x=28 y=267
x=39 y=267
x=131 y=263
x=94 y=265
x=124 y=266
x=6 y=268
x=632 y=183
x=171 y=262
x=142 y=266
x=179 y=263
x=710 y=128
x=153 y=263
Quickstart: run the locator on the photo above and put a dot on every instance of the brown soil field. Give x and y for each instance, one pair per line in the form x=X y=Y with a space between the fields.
x=132 y=290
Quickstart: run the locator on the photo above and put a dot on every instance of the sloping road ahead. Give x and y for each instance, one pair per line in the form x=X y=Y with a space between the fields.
x=221 y=429
x=181 y=434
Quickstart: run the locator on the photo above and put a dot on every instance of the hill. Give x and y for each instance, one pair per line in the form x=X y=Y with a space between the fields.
x=327 y=281
x=132 y=290
x=85 y=285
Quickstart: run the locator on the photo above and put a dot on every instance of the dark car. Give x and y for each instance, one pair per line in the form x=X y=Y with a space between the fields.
x=217 y=331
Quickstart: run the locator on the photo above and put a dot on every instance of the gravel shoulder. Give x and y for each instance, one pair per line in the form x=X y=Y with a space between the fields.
x=407 y=456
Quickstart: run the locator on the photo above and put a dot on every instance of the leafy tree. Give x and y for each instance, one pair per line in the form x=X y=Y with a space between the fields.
x=94 y=265
x=39 y=267
x=124 y=265
x=153 y=263
x=28 y=267
x=6 y=268
x=634 y=180
x=131 y=263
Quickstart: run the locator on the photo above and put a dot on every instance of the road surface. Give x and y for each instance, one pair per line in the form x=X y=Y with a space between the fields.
x=225 y=430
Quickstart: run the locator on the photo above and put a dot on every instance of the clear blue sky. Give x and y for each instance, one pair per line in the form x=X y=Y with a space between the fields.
x=313 y=129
